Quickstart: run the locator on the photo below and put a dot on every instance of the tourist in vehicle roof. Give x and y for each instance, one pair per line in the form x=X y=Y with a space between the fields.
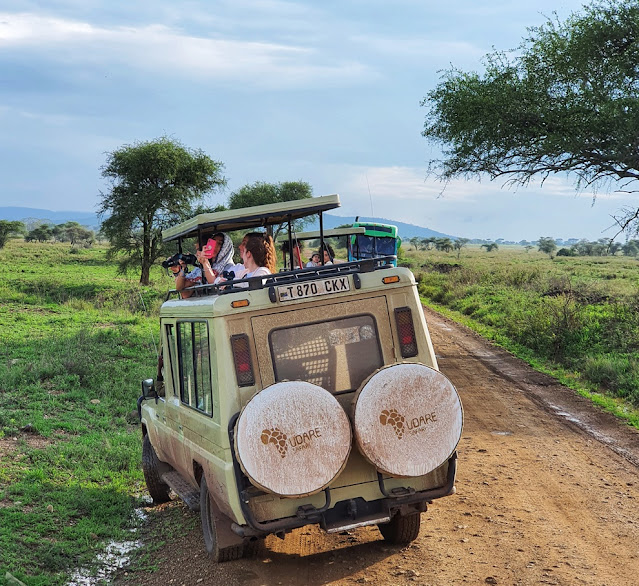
x=329 y=254
x=216 y=256
x=315 y=260
x=258 y=256
x=185 y=278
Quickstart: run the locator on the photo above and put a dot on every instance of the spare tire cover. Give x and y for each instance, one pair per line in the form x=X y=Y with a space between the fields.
x=292 y=439
x=407 y=419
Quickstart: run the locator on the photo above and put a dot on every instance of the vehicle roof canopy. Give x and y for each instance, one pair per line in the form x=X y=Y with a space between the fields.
x=330 y=233
x=251 y=217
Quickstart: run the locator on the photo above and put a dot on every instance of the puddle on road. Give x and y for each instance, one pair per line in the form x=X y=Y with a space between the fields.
x=569 y=416
x=501 y=432
x=114 y=557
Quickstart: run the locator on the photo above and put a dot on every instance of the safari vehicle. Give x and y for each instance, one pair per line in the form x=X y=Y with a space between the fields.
x=310 y=396
x=377 y=240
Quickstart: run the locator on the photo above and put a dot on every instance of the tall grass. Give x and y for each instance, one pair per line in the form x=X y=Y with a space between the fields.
x=76 y=341
x=579 y=313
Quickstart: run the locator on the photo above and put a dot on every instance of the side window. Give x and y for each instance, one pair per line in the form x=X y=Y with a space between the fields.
x=170 y=348
x=195 y=365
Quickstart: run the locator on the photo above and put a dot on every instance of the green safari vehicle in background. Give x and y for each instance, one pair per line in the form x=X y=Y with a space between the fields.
x=311 y=396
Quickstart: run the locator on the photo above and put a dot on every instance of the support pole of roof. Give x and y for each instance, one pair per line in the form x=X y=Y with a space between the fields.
x=321 y=226
x=290 y=241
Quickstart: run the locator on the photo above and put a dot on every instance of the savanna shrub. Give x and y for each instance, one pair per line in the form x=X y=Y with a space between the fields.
x=619 y=374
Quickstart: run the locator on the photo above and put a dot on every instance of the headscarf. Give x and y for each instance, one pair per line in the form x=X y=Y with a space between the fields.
x=224 y=257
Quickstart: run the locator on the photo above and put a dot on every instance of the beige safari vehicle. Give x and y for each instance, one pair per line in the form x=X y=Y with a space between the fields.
x=311 y=396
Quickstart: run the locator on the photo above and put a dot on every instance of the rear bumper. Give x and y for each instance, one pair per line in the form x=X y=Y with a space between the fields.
x=346 y=514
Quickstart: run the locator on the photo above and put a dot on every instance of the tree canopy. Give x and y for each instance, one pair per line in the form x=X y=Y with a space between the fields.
x=260 y=193
x=8 y=229
x=566 y=101
x=547 y=245
x=153 y=185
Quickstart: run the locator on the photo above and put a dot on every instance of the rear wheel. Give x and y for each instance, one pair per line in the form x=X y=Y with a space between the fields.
x=401 y=529
x=211 y=531
x=158 y=490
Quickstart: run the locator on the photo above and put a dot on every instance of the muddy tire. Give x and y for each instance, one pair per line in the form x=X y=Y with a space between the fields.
x=401 y=529
x=158 y=490
x=210 y=531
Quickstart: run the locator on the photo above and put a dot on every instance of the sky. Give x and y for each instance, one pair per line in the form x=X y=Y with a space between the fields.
x=324 y=92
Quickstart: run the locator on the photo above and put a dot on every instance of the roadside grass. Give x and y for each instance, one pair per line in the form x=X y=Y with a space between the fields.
x=575 y=318
x=76 y=342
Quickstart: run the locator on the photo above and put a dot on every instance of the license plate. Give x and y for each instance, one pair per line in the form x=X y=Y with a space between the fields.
x=313 y=288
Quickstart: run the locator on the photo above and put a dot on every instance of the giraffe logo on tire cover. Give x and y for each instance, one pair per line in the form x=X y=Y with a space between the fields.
x=276 y=437
x=281 y=440
x=401 y=425
x=395 y=419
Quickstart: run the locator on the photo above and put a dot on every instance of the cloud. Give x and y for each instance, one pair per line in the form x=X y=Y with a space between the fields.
x=168 y=51
x=418 y=49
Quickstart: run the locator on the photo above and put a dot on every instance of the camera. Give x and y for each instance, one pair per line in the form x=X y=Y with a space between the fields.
x=173 y=261
x=228 y=275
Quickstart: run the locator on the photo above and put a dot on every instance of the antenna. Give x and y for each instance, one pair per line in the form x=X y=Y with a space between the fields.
x=370 y=196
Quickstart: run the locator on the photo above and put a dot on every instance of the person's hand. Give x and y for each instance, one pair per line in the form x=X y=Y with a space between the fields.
x=202 y=259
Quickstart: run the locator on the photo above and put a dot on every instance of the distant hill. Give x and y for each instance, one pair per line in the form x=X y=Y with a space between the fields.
x=29 y=215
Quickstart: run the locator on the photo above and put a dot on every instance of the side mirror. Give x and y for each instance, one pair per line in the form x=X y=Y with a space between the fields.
x=148 y=388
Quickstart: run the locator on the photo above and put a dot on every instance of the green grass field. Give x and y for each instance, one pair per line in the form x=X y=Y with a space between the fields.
x=77 y=339
x=577 y=317
x=76 y=342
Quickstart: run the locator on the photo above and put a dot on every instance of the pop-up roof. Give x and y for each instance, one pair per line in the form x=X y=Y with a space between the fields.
x=329 y=233
x=252 y=217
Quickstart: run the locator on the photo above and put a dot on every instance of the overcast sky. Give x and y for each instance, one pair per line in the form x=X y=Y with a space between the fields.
x=325 y=92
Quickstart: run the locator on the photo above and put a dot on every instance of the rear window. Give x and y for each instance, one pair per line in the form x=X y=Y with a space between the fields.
x=336 y=355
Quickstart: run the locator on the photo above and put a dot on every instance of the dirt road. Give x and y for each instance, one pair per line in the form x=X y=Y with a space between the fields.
x=547 y=493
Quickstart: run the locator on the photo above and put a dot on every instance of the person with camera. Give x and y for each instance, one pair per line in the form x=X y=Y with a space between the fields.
x=216 y=256
x=213 y=258
x=183 y=277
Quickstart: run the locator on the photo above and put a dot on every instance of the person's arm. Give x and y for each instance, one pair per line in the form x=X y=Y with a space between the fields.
x=209 y=274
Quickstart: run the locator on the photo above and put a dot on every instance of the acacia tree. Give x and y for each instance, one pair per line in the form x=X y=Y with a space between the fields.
x=8 y=229
x=459 y=244
x=547 y=245
x=567 y=101
x=153 y=185
x=260 y=193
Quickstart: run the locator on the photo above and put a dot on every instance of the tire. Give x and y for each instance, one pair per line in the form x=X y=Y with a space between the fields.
x=158 y=490
x=210 y=532
x=401 y=529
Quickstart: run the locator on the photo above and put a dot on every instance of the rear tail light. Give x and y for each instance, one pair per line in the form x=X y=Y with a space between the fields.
x=406 y=332
x=242 y=360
